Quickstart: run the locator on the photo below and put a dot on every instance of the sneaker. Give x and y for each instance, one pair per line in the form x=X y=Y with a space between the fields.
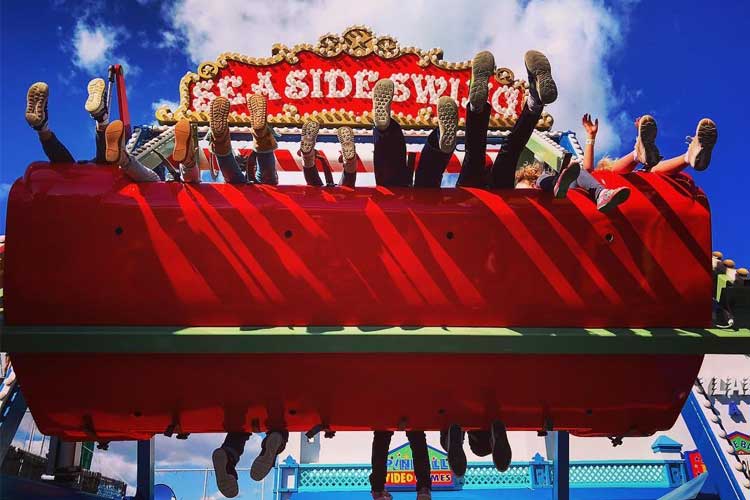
x=183 y=144
x=113 y=140
x=609 y=198
x=381 y=495
x=96 y=104
x=258 y=113
x=382 y=96
x=645 y=145
x=267 y=458
x=447 y=110
x=501 y=452
x=566 y=178
x=309 y=136
x=218 y=121
x=36 y=105
x=701 y=146
x=424 y=494
x=346 y=140
x=541 y=85
x=482 y=68
x=455 y=449
x=226 y=474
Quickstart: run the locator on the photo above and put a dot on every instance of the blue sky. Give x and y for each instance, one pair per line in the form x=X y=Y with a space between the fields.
x=679 y=61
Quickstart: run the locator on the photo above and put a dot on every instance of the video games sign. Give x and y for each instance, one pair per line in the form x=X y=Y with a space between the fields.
x=331 y=82
x=400 y=467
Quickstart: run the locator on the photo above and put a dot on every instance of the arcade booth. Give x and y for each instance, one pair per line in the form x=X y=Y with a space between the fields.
x=544 y=313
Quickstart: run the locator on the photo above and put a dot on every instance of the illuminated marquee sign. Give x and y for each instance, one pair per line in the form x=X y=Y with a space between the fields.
x=400 y=468
x=332 y=82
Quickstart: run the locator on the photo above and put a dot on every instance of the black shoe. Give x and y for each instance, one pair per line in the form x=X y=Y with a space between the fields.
x=267 y=458
x=501 y=452
x=455 y=449
x=645 y=143
x=226 y=474
x=541 y=85
x=566 y=178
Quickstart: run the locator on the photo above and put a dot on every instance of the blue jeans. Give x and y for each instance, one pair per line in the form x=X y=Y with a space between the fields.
x=546 y=182
x=389 y=158
x=503 y=174
x=264 y=174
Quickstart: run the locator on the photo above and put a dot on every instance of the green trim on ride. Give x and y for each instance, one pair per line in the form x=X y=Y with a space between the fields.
x=337 y=339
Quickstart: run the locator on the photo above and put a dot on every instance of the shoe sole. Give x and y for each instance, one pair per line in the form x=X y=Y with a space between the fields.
x=456 y=455
x=482 y=68
x=258 y=114
x=309 y=137
x=448 y=123
x=219 y=118
x=113 y=140
x=264 y=462
x=382 y=97
x=618 y=199
x=501 y=452
x=224 y=481
x=181 y=141
x=95 y=102
x=36 y=103
x=538 y=65
x=346 y=140
x=566 y=178
x=647 y=152
x=707 y=136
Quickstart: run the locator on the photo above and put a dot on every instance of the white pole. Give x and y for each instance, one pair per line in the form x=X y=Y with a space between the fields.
x=31 y=436
x=205 y=484
x=263 y=489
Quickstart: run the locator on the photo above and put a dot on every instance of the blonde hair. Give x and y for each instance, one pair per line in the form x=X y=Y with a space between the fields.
x=605 y=163
x=529 y=172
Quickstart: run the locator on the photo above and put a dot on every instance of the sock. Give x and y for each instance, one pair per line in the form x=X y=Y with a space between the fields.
x=534 y=105
x=102 y=122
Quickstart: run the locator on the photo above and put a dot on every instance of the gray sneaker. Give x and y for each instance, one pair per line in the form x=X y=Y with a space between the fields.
x=645 y=143
x=541 y=84
x=382 y=96
x=702 y=145
x=264 y=462
x=448 y=122
x=482 y=68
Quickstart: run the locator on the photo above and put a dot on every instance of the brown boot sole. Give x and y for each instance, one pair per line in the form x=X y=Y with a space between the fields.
x=346 y=140
x=707 y=136
x=538 y=65
x=36 y=104
x=258 y=113
x=382 y=97
x=181 y=141
x=113 y=140
x=646 y=150
x=482 y=68
x=309 y=137
x=218 y=118
x=448 y=123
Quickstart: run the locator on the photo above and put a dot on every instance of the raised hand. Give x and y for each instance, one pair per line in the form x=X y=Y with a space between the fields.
x=592 y=127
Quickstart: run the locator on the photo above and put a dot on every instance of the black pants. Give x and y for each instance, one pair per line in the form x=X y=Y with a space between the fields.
x=57 y=152
x=479 y=442
x=381 y=442
x=503 y=173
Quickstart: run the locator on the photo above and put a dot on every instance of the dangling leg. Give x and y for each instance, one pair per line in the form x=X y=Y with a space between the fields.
x=542 y=91
x=452 y=441
x=439 y=147
x=348 y=156
x=307 y=152
x=380 y=442
x=389 y=156
x=273 y=444
x=225 y=459
x=37 y=118
x=699 y=151
x=418 y=444
x=221 y=142
x=184 y=153
x=473 y=169
x=265 y=143
x=96 y=105
x=115 y=153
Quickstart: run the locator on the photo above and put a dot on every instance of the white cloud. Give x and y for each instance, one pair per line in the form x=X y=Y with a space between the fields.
x=172 y=105
x=94 y=49
x=4 y=190
x=577 y=35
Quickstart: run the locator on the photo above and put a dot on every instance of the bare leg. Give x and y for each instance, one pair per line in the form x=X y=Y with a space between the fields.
x=624 y=165
x=670 y=166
